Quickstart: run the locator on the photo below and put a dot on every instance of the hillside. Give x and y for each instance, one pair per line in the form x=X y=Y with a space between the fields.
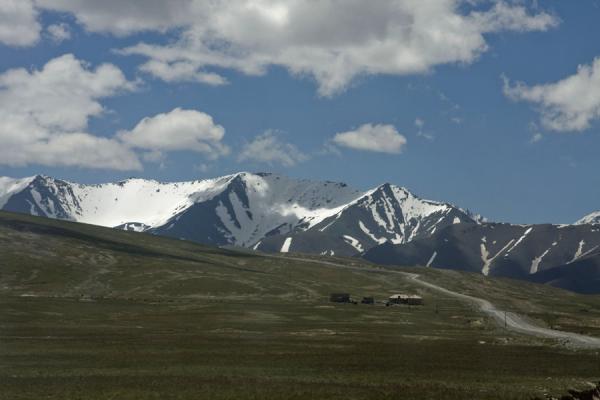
x=95 y=313
x=565 y=256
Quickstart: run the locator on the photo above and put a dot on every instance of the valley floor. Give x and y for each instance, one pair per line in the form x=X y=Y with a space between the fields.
x=68 y=349
x=91 y=313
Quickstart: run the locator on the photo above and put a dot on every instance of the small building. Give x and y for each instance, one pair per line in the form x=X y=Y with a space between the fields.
x=368 y=300
x=412 y=300
x=415 y=300
x=398 y=299
x=340 y=298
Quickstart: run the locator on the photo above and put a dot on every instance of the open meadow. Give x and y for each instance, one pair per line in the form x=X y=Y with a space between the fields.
x=95 y=313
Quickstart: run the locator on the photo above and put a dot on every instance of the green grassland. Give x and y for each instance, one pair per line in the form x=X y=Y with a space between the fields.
x=95 y=313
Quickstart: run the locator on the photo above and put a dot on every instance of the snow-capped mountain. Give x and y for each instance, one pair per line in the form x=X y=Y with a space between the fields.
x=387 y=213
x=593 y=218
x=135 y=200
x=263 y=211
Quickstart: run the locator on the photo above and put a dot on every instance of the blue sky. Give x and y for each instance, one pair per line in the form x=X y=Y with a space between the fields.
x=494 y=114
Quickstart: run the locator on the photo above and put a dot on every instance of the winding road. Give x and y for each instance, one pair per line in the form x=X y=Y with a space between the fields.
x=513 y=321
x=510 y=320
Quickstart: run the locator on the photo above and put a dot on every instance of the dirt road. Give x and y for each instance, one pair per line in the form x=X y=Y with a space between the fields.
x=510 y=320
x=513 y=321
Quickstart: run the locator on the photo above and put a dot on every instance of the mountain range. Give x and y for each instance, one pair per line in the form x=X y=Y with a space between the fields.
x=273 y=213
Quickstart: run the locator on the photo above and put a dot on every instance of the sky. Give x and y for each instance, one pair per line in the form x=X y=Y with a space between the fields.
x=491 y=105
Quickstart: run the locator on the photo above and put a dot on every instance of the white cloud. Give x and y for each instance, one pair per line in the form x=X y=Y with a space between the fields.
x=124 y=17
x=419 y=124
x=177 y=130
x=570 y=104
x=153 y=156
x=204 y=168
x=329 y=148
x=332 y=41
x=76 y=150
x=369 y=137
x=44 y=115
x=268 y=148
x=58 y=33
x=18 y=23
x=536 y=137
x=504 y=16
x=181 y=71
x=63 y=95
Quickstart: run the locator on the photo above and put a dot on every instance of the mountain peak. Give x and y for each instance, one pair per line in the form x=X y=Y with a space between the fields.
x=399 y=190
x=593 y=218
x=42 y=178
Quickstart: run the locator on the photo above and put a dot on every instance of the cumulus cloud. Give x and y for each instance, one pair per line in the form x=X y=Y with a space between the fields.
x=77 y=150
x=177 y=130
x=58 y=33
x=182 y=71
x=504 y=16
x=124 y=17
x=570 y=104
x=44 y=115
x=379 y=138
x=332 y=41
x=18 y=23
x=270 y=149
x=64 y=94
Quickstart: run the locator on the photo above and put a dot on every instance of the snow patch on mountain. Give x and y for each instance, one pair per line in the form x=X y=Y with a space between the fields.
x=353 y=242
x=578 y=252
x=431 y=259
x=487 y=260
x=527 y=232
x=368 y=233
x=535 y=263
x=10 y=186
x=286 y=245
x=593 y=218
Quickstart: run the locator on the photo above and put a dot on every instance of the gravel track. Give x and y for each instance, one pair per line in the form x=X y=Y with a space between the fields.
x=509 y=320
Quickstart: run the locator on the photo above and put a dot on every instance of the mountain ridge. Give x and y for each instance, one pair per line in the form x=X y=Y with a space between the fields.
x=237 y=209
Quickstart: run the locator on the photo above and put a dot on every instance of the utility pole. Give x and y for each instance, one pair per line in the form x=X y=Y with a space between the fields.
x=505 y=324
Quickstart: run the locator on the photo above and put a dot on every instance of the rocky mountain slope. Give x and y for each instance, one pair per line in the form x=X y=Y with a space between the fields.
x=566 y=256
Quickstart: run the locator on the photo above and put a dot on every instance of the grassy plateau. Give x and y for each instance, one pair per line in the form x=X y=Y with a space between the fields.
x=95 y=313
